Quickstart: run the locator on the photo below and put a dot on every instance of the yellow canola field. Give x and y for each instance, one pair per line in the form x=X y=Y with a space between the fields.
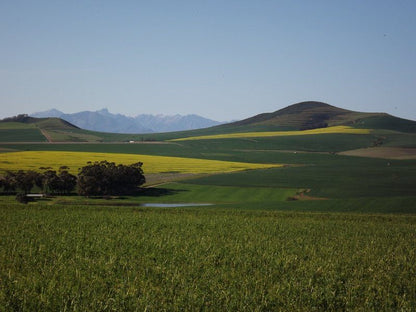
x=30 y=160
x=335 y=129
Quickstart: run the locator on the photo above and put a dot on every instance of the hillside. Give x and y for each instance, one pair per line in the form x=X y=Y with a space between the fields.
x=300 y=116
x=23 y=128
x=43 y=123
x=312 y=115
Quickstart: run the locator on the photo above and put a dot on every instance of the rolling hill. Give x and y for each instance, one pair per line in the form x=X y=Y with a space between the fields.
x=312 y=115
x=23 y=128
x=303 y=116
x=296 y=117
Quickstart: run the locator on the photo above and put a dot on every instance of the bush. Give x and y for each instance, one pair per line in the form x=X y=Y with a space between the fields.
x=23 y=198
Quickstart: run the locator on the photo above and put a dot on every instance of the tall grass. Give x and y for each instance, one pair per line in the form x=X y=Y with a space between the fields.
x=132 y=259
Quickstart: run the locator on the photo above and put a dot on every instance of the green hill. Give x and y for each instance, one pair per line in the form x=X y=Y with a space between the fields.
x=300 y=116
x=42 y=123
x=23 y=128
x=312 y=115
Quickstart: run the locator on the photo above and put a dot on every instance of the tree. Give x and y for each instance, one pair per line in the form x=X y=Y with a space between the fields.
x=62 y=183
x=25 y=180
x=107 y=178
x=22 y=180
x=67 y=181
x=50 y=182
x=9 y=182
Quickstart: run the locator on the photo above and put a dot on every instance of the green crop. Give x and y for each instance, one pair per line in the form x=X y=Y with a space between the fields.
x=79 y=258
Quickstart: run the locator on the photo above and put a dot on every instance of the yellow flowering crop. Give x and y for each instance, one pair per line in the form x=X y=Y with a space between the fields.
x=30 y=160
x=335 y=129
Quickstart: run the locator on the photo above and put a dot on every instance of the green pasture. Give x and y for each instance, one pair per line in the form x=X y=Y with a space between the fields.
x=387 y=122
x=338 y=178
x=21 y=135
x=185 y=193
x=79 y=258
x=72 y=136
x=16 y=125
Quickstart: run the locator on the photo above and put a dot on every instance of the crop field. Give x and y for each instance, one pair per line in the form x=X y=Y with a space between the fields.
x=198 y=148
x=328 y=130
x=22 y=135
x=152 y=164
x=78 y=258
x=71 y=136
x=323 y=232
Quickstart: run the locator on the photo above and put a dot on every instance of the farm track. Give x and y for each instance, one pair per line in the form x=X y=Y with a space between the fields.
x=46 y=135
x=158 y=179
x=383 y=152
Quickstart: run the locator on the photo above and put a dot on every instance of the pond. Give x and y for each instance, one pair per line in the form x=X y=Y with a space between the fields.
x=173 y=205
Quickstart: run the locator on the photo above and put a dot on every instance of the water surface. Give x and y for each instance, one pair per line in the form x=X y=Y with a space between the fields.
x=172 y=205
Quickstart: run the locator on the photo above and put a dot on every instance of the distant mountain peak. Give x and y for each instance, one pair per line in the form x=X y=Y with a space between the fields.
x=103 y=120
x=49 y=113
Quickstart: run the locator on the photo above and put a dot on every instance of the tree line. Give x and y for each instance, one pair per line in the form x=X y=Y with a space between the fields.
x=95 y=179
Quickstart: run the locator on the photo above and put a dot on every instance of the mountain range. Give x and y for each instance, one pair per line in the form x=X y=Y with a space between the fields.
x=104 y=121
x=299 y=116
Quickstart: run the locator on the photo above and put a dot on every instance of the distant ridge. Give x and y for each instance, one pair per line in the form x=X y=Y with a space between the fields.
x=299 y=116
x=104 y=121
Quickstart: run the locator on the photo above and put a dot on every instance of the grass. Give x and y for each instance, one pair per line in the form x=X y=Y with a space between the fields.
x=152 y=164
x=387 y=122
x=72 y=135
x=185 y=193
x=21 y=135
x=15 y=125
x=331 y=177
x=79 y=258
x=335 y=129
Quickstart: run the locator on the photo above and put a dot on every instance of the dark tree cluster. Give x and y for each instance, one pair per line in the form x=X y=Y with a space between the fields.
x=49 y=182
x=96 y=179
x=108 y=178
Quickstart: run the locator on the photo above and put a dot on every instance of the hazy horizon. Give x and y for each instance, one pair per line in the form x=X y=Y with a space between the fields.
x=161 y=114
x=220 y=60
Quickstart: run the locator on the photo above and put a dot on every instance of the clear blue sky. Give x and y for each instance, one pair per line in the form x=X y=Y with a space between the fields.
x=220 y=59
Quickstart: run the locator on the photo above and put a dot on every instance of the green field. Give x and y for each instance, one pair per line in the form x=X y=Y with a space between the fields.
x=22 y=135
x=326 y=232
x=133 y=259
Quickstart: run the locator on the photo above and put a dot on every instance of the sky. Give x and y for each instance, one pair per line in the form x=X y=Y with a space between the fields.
x=223 y=60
